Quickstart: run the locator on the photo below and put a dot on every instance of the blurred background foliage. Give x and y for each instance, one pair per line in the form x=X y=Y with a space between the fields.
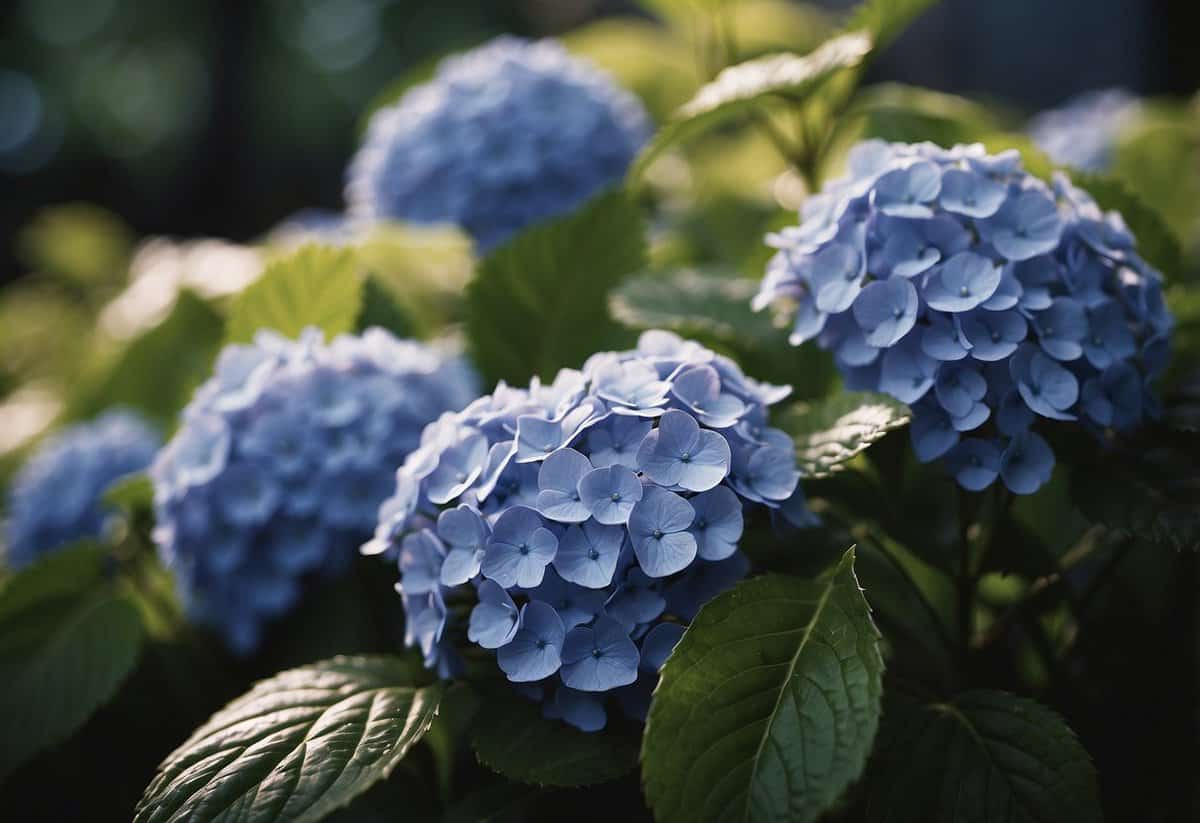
x=189 y=121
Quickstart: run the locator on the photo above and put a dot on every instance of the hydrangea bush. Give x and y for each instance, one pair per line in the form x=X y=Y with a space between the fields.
x=57 y=497
x=554 y=129
x=280 y=464
x=616 y=600
x=586 y=521
x=1082 y=133
x=982 y=296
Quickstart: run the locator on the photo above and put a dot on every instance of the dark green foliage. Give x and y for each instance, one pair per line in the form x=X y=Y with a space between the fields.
x=67 y=641
x=983 y=755
x=769 y=704
x=512 y=738
x=539 y=303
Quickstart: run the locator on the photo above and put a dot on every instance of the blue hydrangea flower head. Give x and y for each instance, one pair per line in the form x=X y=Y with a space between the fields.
x=280 y=463
x=574 y=528
x=1083 y=132
x=57 y=496
x=503 y=136
x=983 y=297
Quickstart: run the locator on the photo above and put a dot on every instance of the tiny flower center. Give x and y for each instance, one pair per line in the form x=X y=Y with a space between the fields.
x=593 y=554
x=523 y=548
x=658 y=534
x=685 y=457
x=964 y=292
x=616 y=497
x=596 y=653
x=541 y=644
x=701 y=524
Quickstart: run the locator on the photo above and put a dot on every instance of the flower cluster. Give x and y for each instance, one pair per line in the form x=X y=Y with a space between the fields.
x=981 y=296
x=502 y=137
x=587 y=520
x=1083 y=132
x=280 y=463
x=57 y=497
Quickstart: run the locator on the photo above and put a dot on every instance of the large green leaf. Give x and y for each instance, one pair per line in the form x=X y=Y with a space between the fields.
x=66 y=644
x=911 y=114
x=296 y=746
x=713 y=306
x=984 y=756
x=768 y=706
x=1155 y=240
x=540 y=302
x=829 y=432
x=314 y=286
x=747 y=85
x=512 y=738
x=157 y=372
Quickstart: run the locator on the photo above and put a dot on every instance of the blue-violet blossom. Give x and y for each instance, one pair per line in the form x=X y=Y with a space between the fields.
x=57 y=496
x=981 y=296
x=582 y=523
x=504 y=136
x=1083 y=132
x=281 y=461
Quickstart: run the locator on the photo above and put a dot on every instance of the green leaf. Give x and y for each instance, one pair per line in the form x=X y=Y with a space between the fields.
x=768 y=706
x=66 y=644
x=157 y=372
x=513 y=739
x=134 y=492
x=1155 y=240
x=381 y=308
x=314 y=286
x=910 y=114
x=296 y=746
x=747 y=85
x=1146 y=485
x=713 y=306
x=982 y=756
x=540 y=302
x=830 y=432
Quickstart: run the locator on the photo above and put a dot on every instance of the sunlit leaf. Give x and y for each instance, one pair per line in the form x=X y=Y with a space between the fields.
x=315 y=286
x=834 y=430
x=296 y=746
